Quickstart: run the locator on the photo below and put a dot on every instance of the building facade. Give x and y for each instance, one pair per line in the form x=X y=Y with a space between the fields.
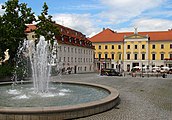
x=74 y=51
x=126 y=50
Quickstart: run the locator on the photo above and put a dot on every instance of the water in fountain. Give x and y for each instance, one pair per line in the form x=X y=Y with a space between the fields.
x=40 y=58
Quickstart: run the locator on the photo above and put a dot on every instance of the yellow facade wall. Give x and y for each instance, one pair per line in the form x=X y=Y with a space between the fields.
x=158 y=50
x=109 y=50
x=116 y=51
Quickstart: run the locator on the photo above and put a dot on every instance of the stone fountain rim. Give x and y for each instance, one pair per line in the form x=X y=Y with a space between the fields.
x=113 y=95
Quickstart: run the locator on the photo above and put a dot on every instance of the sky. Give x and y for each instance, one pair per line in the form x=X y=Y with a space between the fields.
x=91 y=16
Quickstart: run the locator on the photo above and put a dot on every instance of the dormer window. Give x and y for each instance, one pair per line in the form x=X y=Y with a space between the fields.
x=80 y=42
x=76 y=33
x=61 y=29
x=62 y=38
x=70 y=39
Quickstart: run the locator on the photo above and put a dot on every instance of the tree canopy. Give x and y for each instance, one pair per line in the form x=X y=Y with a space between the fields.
x=46 y=27
x=13 y=25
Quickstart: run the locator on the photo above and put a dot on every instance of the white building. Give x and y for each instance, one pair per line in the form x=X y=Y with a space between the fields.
x=75 y=51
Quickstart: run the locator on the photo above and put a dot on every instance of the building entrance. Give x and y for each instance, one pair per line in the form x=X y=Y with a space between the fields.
x=135 y=64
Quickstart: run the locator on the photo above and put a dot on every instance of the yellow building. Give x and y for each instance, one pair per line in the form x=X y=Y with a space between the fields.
x=125 y=50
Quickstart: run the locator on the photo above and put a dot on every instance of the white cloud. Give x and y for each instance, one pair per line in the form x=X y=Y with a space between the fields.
x=153 y=24
x=123 y=10
x=79 y=22
x=1 y=10
x=117 y=13
x=146 y=24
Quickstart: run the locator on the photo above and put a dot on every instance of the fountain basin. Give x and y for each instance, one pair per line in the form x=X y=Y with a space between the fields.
x=65 y=111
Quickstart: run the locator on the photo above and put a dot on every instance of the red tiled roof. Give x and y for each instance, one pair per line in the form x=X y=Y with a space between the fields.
x=107 y=35
x=30 y=28
x=67 y=33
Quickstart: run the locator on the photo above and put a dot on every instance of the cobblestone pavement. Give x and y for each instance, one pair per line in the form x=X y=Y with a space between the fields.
x=141 y=98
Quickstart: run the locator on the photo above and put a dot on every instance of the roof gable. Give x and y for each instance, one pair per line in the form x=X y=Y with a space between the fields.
x=136 y=36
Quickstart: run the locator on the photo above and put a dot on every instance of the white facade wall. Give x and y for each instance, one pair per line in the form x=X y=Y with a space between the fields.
x=81 y=59
x=139 y=53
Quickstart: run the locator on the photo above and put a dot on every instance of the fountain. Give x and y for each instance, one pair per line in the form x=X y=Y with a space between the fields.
x=45 y=100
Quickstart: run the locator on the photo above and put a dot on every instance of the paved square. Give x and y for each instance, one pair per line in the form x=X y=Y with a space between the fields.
x=141 y=98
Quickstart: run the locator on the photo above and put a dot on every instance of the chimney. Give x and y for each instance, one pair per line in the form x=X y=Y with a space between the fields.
x=103 y=29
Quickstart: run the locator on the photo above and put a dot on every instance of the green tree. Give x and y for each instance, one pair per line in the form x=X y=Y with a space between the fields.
x=46 y=27
x=13 y=25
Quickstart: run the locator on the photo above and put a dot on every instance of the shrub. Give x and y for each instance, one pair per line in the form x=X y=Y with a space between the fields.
x=5 y=70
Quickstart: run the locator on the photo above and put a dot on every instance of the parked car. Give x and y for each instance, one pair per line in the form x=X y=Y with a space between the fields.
x=164 y=69
x=170 y=71
x=110 y=72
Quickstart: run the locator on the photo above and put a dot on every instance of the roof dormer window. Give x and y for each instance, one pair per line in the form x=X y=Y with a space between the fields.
x=70 y=39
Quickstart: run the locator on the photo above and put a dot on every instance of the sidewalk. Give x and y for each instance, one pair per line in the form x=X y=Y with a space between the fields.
x=141 y=98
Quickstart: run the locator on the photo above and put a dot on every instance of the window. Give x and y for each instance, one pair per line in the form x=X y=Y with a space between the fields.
x=143 y=46
x=64 y=59
x=153 y=56
x=112 y=65
x=170 y=56
x=128 y=56
x=106 y=47
x=135 y=56
x=64 y=49
x=119 y=46
x=68 y=49
x=60 y=48
x=59 y=59
x=112 y=46
x=119 y=56
x=99 y=55
x=70 y=39
x=112 y=56
x=153 y=46
x=106 y=55
x=162 y=46
x=170 y=46
x=162 y=56
x=99 y=46
x=143 y=56
x=68 y=59
x=71 y=59
x=135 y=46
x=128 y=46
x=75 y=50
